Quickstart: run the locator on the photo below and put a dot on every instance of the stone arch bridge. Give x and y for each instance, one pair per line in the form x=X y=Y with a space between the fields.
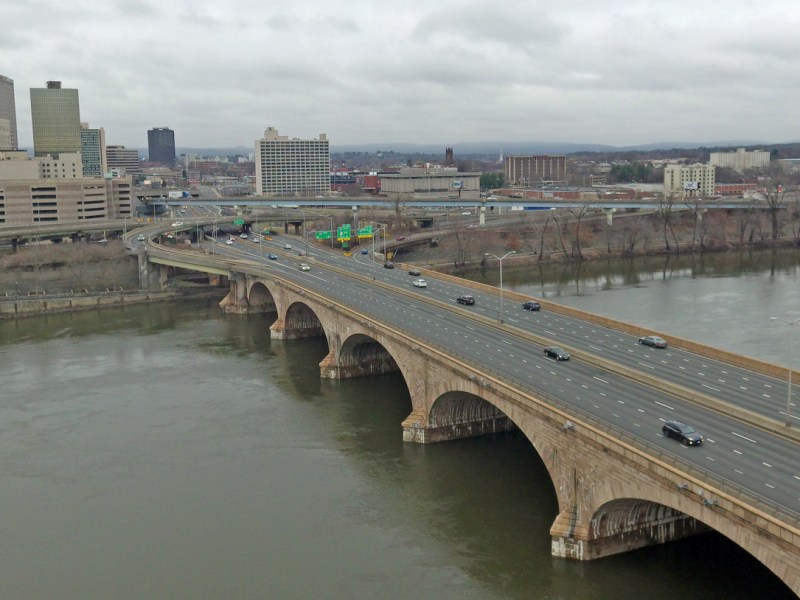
x=613 y=495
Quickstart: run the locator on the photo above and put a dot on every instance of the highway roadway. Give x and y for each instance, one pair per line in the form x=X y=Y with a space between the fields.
x=765 y=465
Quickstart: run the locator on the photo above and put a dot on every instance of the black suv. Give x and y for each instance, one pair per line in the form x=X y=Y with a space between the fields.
x=685 y=434
x=465 y=299
x=531 y=305
x=388 y=265
x=414 y=272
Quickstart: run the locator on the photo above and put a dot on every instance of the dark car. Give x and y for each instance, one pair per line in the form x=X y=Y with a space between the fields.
x=653 y=340
x=364 y=251
x=414 y=272
x=682 y=432
x=273 y=257
x=556 y=352
x=388 y=265
x=400 y=238
x=466 y=299
x=531 y=305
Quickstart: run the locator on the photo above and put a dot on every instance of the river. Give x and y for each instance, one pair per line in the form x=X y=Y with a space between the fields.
x=169 y=451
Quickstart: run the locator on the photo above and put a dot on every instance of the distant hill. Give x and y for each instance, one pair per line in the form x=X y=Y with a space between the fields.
x=507 y=148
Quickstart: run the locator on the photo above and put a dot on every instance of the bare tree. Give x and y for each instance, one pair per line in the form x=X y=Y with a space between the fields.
x=579 y=215
x=774 y=195
x=697 y=207
x=666 y=205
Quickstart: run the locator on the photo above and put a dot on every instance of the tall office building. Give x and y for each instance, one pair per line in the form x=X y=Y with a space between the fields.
x=8 y=111
x=56 y=119
x=161 y=145
x=93 y=151
x=123 y=160
x=292 y=167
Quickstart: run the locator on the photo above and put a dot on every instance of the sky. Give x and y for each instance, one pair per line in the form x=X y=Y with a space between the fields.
x=418 y=71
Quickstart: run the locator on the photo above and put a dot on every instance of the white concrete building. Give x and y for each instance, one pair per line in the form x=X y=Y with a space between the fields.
x=292 y=167
x=740 y=160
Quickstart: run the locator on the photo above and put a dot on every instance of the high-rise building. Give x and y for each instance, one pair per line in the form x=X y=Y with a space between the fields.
x=531 y=171
x=161 y=145
x=56 y=119
x=123 y=160
x=93 y=151
x=292 y=167
x=8 y=110
x=689 y=181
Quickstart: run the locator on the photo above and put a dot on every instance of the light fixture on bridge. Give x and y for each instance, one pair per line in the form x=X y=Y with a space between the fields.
x=708 y=502
x=568 y=425
x=682 y=487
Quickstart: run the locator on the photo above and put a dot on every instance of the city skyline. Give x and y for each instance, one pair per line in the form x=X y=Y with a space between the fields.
x=578 y=72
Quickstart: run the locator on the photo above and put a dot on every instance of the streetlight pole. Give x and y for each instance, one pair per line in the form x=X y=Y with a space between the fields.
x=305 y=230
x=500 y=258
x=789 y=389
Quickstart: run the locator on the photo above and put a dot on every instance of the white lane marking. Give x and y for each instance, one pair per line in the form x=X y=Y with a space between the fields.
x=470 y=328
x=641 y=410
x=770 y=486
x=646 y=365
x=737 y=451
x=506 y=342
x=767 y=465
x=600 y=380
x=709 y=387
x=739 y=435
x=739 y=472
x=664 y=405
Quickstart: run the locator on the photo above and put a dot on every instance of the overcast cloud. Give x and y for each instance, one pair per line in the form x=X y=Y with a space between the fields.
x=433 y=71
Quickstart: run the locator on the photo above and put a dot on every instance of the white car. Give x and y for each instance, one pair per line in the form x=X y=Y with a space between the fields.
x=229 y=241
x=178 y=224
x=303 y=267
x=140 y=237
x=243 y=236
x=287 y=246
x=420 y=283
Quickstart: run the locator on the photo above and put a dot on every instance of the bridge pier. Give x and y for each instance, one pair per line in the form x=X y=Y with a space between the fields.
x=151 y=276
x=236 y=301
x=609 y=215
x=618 y=527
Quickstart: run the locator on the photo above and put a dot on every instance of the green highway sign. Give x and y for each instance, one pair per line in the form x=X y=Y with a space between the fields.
x=238 y=221
x=323 y=235
x=343 y=232
x=365 y=232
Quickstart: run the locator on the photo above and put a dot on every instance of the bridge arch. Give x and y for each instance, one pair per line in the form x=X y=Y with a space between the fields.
x=260 y=299
x=361 y=355
x=301 y=320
